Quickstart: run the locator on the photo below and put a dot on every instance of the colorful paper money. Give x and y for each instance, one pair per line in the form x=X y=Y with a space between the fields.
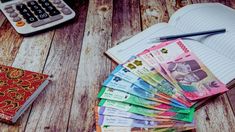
x=114 y=117
x=112 y=94
x=122 y=85
x=128 y=122
x=126 y=75
x=116 y=112
x=148 y=112
x=148 y=74
x=149 y=58
x=155 y=89
x=185 y=69
x=137 y=129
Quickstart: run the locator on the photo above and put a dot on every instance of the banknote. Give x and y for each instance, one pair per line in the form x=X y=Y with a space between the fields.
x=136 y=129
x=168 y=51
x=126 y=75
x=118 y=83
x=116 y=95
x=187 y=117
x=128 y=122
x=137 y=66
x=141 y=69
x=197 y=81
x=150 y=59
x=185 y=68
x=132 y=129
x=116 y=112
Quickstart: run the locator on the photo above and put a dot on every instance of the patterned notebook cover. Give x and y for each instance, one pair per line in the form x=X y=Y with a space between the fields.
x=16 y=87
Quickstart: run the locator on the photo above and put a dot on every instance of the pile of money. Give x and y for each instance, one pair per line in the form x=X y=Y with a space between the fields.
x=155 y=90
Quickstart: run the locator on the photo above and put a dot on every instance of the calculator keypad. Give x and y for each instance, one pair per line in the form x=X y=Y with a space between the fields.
x=37 y=12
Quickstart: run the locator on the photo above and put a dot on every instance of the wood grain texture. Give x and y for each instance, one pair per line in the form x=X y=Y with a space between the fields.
x=2 y=18
x=153 y=12
x=126 y=20
x=174 y=5
x=94 y=66
x=231 y=97
x=9 y=43
x=216 y=116
x=31 y=56
x=51 y=112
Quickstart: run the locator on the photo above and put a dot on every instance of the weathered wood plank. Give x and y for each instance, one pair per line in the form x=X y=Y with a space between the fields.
x=216 y=116
x=174 y=5
x=10 y=42
x=231 y=97
x=153 y=12
x=2 y=18
x=51 y=111
x=126 y=21
x=31 y=56
x=94 y=66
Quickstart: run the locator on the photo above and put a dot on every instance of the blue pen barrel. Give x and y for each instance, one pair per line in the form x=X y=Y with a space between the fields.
x=165 y=38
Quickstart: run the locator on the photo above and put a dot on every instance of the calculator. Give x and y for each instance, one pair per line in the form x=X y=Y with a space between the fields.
x=30 y=16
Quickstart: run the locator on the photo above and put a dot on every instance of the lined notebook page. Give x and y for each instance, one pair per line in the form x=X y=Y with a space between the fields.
x=201 y=17
x=223 y=44
x=122 y=52
x=221 y=66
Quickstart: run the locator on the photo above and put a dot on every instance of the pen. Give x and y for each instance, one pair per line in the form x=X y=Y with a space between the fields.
x=171 y=37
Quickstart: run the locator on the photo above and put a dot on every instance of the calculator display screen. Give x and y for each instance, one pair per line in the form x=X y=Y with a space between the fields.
x=5 y=1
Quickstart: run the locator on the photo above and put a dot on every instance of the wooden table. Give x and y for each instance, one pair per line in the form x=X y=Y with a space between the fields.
x=73 y=55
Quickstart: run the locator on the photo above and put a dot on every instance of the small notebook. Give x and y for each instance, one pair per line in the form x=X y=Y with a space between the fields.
x=18 y=89
x=215 y=51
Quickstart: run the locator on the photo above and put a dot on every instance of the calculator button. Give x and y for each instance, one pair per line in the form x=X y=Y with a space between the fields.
x=56 y=1
x=32 y=3
x=27 y=15
x=43 y=16
x=13 y=14
x=20 y=7
x=31 y=19
x=35 y=7
x=46 y=4
x=39 y=11
x=46 y=21
x=23 y=11
x=16 y=19
x=54 y=12
x=50 y=8
x=42 y=1
x=61 y=5
x=10 y=10
x=20 y=24
x=66 y=11
x=7 y=7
